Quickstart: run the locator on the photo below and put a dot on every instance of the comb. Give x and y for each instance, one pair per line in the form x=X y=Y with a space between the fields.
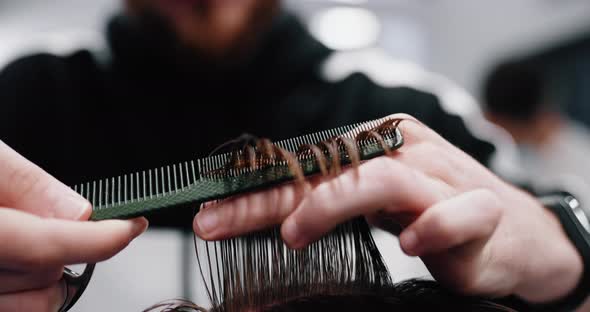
x=250 y=168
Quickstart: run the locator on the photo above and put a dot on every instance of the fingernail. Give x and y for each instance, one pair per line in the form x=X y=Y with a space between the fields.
x=409 y=242
x=140 y=226
x=290 y=233
x=207 y=221
x=73 y=207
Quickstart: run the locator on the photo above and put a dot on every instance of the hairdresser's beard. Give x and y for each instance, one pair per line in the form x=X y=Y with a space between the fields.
x=217 y=30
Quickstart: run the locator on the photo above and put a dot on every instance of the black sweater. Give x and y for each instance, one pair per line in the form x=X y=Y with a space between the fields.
x=153 y=103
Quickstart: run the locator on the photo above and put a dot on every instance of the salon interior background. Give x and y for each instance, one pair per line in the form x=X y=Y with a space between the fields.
x=459 y=39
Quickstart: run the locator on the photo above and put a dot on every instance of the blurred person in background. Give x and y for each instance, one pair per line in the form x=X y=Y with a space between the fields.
x=553 y=148
x=181 y=77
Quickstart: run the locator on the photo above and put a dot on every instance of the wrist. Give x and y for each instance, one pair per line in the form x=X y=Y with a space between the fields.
x=553 y=273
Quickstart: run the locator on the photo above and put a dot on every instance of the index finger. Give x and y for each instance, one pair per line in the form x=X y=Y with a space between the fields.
x=247 y=213
x=25 y=186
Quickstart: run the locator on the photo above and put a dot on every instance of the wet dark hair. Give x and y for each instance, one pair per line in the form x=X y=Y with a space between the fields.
x=514 y=89
x=412 y=295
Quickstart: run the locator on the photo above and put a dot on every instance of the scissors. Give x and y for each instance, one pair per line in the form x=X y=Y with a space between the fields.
x=75 y=285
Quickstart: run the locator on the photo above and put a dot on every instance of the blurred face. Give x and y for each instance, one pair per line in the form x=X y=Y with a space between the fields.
x=217 y=28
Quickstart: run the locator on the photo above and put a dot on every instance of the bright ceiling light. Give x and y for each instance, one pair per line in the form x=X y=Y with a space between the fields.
x=346 y=28
x=355 y=2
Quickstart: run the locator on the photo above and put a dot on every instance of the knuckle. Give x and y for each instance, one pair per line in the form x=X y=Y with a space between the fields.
x=252 y=211
x=491 y=207
x=256 y=212
x=32 y=261
x=320 y=198
x=284 y=200
x=414 y=131
x=486 y=196
x=384 y=169
x=48 y=277
x=427 y=148
x=54 y=275
x=489 y=202
x=439 y=226
x=428 y=153
x=43 y=300
x=383 y=174
x=318 y=210
x=40 y=260
x=229 y=215
x=25 y=180
x=45 y=254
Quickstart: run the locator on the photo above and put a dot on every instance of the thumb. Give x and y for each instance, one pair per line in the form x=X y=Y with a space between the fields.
x=35 y=244
x=25 y=186
x=41 y=300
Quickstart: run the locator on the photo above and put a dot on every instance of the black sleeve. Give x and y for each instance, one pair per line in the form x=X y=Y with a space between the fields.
x=427 y=108
x=35 y=117
x=380 y=101
x=23 y=89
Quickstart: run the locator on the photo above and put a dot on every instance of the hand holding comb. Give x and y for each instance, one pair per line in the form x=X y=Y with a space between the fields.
x=253 y=166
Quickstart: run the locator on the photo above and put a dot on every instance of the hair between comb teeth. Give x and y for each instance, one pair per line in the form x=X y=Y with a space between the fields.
x=328 y=154
x=246 y=168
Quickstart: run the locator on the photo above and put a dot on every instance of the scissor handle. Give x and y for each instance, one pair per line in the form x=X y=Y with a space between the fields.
x=75 y=285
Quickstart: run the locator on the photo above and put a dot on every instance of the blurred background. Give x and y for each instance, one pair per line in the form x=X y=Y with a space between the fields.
x=461 y=40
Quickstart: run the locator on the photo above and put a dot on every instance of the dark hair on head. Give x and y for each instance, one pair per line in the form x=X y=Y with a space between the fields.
x=514 y=89
x=412 y=295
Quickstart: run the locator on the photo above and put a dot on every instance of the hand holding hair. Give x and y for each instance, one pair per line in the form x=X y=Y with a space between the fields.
x=476 y=233
x=41 y=231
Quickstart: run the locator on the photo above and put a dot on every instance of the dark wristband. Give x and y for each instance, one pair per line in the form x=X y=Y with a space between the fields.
x=564 y=206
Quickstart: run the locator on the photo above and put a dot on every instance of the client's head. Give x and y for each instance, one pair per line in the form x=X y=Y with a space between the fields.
x=514 y=90
x=413 y=295
x=516 y=99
